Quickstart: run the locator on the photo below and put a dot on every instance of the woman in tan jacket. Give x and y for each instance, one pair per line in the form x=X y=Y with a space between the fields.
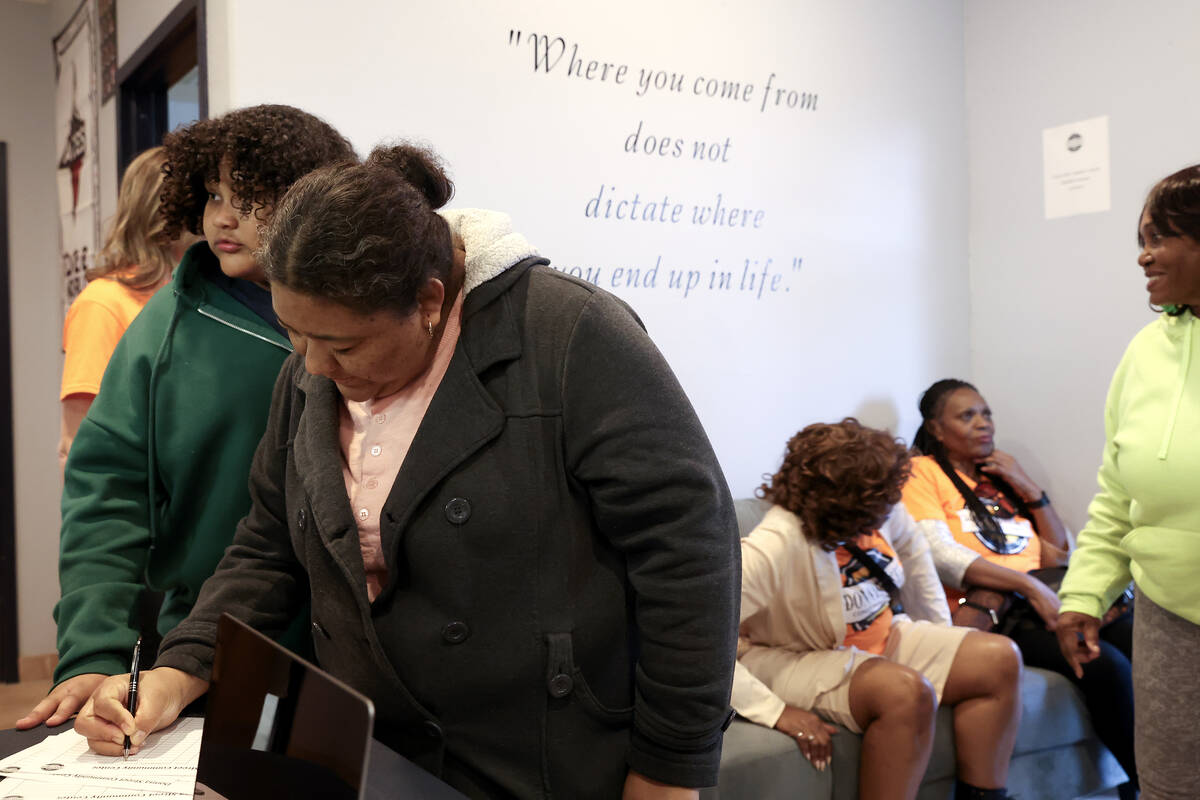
x=844 y=620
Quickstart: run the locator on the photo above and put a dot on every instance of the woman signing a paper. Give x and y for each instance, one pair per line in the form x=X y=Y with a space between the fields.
x=514 y=533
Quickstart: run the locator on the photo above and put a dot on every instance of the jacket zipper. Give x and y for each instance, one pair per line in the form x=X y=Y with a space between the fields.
x=229 y=324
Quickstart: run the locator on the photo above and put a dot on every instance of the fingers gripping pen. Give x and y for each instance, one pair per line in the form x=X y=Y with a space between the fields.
x=131 y=701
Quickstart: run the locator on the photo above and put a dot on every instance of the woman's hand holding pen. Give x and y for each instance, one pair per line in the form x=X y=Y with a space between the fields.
x=162 y=694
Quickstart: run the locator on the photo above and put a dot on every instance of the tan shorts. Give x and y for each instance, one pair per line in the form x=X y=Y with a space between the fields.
x=923 y=646
x=820 y=681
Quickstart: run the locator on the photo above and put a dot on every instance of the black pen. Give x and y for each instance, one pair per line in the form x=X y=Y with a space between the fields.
x=131 y=702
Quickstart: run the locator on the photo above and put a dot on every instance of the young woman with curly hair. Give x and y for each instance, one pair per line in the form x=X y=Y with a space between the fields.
x=135 y=262
x=844 y=621
x=156 y=480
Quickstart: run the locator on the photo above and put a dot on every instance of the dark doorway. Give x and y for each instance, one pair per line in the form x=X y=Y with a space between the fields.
x=8 y=522
x=164 y=84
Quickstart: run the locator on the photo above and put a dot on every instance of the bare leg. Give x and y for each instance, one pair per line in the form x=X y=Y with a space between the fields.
x=984 y=688
x=894 y=705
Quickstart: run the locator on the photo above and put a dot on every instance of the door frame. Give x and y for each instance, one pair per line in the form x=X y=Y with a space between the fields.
x=9 y=642
x=141 y=88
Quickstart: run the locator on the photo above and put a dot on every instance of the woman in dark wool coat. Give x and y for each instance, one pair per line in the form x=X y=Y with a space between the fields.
x=513 y=531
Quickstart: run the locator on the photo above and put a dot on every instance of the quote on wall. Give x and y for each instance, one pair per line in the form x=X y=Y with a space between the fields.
x=757 y=276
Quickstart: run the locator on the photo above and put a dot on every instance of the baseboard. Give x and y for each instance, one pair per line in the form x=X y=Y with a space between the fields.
x=37 y=668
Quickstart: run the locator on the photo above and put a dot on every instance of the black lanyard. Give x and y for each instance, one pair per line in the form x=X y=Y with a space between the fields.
x=878 y=573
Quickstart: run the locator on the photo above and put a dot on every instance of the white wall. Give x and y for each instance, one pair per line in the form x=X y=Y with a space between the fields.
x=26 y=124
x=1054 y=302
x=136 y=20
x=869 y=190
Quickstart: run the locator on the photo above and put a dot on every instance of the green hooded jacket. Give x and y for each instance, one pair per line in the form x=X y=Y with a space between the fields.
x=156 y=479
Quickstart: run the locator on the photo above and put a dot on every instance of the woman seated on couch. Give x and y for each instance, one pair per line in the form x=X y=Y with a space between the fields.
x=988 y=524
x=843 y=620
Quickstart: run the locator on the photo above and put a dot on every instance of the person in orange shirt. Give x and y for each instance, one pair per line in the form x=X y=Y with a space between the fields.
x=843 y=620
x=134 y=263
x=988 y=525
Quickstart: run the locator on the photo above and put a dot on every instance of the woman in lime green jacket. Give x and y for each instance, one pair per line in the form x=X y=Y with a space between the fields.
x=1144 y=523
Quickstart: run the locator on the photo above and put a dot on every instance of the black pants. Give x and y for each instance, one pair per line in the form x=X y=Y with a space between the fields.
x=1107 y=682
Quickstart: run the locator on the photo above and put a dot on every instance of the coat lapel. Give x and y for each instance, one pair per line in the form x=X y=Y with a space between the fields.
x=829 y=582
x=317 y=452
x=462 y=417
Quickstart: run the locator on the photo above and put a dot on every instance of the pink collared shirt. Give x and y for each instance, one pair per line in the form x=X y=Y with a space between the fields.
x=375 y=437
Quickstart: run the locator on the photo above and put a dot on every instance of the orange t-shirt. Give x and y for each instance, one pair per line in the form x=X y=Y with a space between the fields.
x=866 y=605
x=94 y=324
x=930 y=494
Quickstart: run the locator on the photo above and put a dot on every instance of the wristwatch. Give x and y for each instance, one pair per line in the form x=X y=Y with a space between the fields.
x=1036 y=504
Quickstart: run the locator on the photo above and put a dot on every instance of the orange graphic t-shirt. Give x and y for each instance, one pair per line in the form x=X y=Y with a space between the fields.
x=866 y=605
x=930 y=494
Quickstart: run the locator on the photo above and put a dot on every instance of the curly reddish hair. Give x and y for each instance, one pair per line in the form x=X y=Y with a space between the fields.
x=840 y=479
x=267 y=148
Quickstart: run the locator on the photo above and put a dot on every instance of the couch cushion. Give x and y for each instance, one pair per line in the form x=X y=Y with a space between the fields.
x=1053 y=712
x=760 y=762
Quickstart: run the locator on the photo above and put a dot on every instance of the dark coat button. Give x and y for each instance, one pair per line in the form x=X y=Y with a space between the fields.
x=433 y=730
x=455 y=632
x=458 y=510
x=561 y=685
x=300 y=519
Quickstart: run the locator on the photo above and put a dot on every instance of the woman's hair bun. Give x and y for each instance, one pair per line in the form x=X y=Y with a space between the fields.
x=420 y=167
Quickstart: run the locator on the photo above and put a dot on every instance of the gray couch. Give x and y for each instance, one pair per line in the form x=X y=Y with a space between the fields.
x=1057 y=756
